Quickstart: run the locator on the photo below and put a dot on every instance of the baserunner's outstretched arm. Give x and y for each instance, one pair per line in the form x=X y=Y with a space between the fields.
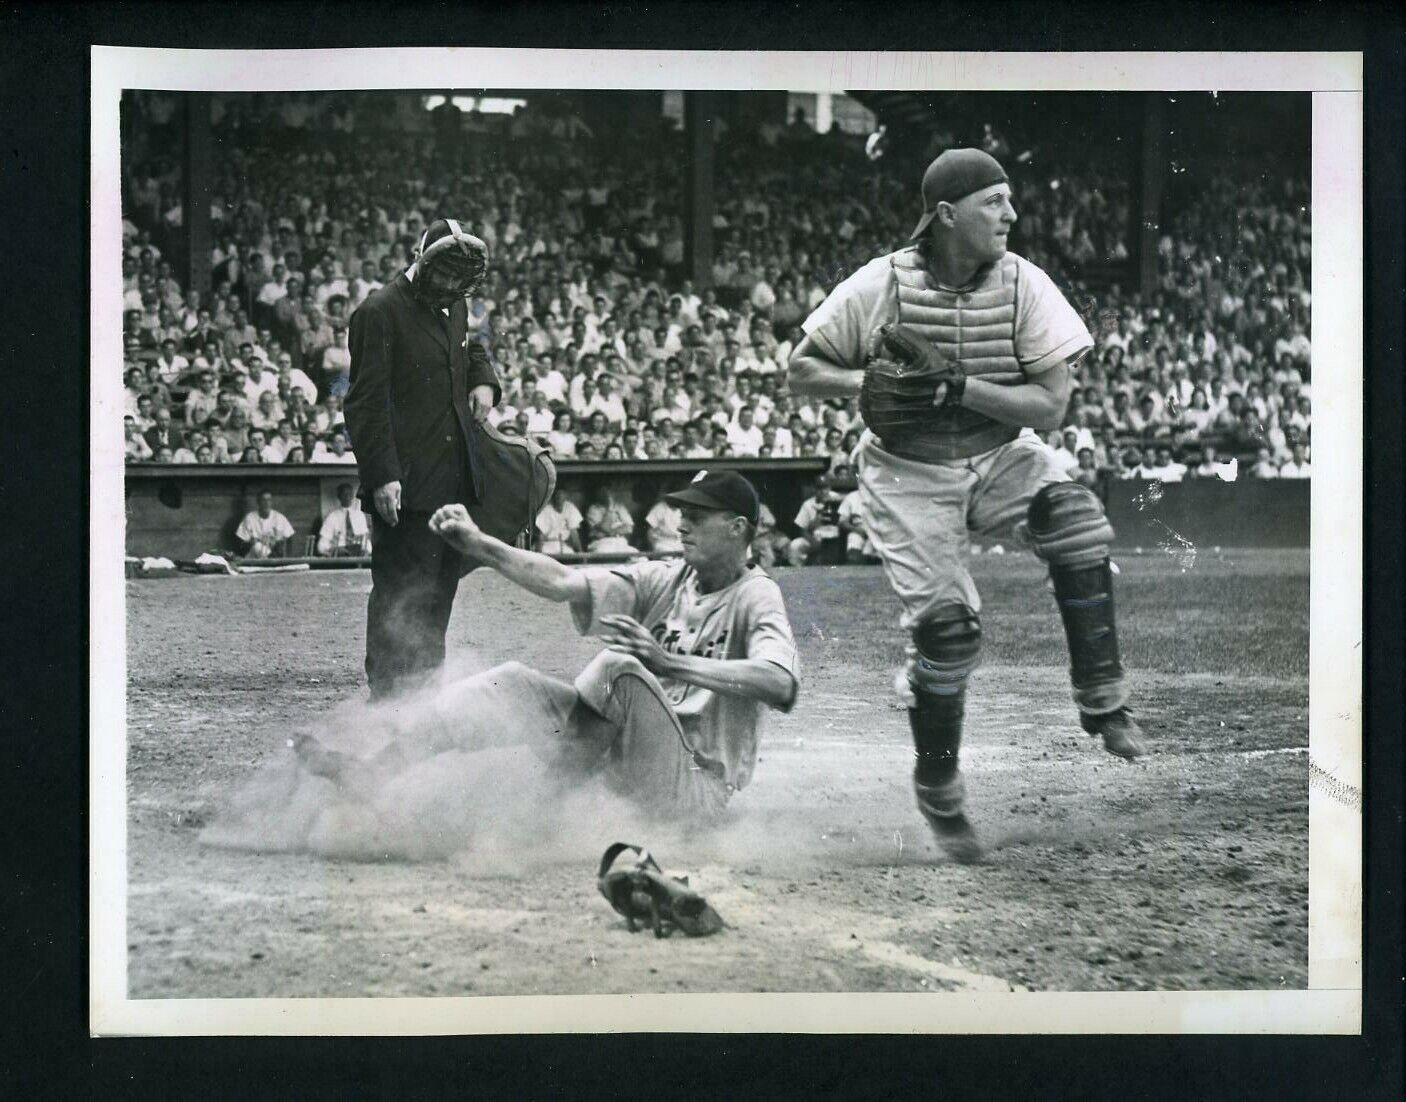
x=533 y=571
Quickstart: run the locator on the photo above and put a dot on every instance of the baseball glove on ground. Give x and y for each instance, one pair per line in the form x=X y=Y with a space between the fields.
x=902 y=381
x=646 y=896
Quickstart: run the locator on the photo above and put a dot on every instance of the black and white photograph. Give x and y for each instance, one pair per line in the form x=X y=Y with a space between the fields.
x=728 y=539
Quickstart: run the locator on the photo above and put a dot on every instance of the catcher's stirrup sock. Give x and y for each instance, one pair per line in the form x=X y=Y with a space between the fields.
x=1085 y=596
x=937 y=734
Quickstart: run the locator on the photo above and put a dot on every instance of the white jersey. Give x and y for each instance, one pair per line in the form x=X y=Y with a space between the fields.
x=664 y=521
x=744 y=620
x=263 y=532
x=556 y=527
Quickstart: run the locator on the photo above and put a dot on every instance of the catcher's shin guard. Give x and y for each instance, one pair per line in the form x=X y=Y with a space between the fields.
x=1069 y=530
x=947 y=646
x=1085 y=596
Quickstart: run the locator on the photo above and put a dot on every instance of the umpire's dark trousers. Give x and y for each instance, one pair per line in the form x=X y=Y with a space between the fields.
x=414 y=576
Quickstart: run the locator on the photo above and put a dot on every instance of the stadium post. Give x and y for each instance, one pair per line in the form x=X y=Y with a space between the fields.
x=195 y=197
x=698 y=112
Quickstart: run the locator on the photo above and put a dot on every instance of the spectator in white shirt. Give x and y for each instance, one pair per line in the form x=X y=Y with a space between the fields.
x=1297 y=466
x=297 y=377
x=137 y=449
x=170 y=364
x=339 y=451
x=268 y=411
x=743 y=434
x=540 y=419
x=550 y=382
x=336 y=365
x=662 y=523
x=608 y=402
x=264 y=532
x=1167 y=468
x=280 y=444
x=562 y=438
x=344 y=530
x=559 y=525
x=858 y=548
x=1066 y=452
x=1264 y=465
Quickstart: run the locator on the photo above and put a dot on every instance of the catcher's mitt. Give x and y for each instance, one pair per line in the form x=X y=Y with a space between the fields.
x=645 y=895
x=901 y=382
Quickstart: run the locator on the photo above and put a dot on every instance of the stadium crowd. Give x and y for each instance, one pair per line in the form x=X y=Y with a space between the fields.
x=607 y=351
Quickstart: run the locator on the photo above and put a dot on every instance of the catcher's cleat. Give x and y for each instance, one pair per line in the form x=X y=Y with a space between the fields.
x=1121 y=734
x=941 y=805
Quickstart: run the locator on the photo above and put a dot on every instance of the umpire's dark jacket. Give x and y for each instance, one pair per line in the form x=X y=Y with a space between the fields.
x=408 y=407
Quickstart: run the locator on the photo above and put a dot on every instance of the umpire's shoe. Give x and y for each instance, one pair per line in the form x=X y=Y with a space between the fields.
x=1121 y=734
x=941 y=805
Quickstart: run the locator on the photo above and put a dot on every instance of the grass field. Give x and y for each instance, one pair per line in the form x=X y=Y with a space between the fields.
x=1186 y=870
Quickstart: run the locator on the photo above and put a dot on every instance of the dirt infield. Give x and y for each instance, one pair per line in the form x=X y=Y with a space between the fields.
x=1187 y=870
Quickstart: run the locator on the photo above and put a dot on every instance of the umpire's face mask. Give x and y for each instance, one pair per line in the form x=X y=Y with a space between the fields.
x=450 y=267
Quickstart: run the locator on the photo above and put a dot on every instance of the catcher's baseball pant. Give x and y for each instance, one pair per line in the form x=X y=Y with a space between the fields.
x=920 y=516
x=414 y=576
x=615 y=720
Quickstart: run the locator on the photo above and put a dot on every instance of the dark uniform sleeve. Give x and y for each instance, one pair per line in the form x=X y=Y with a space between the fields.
x=368 y=404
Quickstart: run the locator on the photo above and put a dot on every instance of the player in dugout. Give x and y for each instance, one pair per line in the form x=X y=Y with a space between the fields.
x=957 y=349
x=670 y=711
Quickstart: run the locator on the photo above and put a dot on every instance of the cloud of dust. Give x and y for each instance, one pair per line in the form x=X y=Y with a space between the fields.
x=415 y=792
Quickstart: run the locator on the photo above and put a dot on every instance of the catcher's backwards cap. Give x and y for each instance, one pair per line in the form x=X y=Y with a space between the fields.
x=956 y=173
x=724 y=490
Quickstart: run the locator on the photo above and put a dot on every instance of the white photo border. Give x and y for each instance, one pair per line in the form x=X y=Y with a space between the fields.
x=1332 y=1004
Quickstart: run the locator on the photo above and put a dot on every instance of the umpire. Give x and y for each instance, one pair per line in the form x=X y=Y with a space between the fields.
x=417 y=383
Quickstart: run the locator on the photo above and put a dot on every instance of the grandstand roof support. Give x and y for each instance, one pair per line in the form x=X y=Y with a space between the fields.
x=1152 y=169
x=699 y=110
x=195 y=199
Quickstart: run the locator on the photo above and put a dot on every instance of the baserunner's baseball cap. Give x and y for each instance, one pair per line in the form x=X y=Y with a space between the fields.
x=724 y=490
x=956 y=173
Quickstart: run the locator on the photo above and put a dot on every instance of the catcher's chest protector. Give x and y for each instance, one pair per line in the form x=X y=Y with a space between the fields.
x=974 y=329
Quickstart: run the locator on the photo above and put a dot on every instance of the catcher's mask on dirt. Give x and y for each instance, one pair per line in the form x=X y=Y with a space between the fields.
x=647 y=896
x=449 y=263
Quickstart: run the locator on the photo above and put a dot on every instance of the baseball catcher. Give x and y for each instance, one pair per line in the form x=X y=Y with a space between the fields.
x=670 y=711
x=957 y=349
